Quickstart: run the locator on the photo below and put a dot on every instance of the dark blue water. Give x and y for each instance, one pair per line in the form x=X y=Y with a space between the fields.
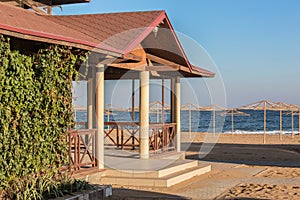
x=202 y=121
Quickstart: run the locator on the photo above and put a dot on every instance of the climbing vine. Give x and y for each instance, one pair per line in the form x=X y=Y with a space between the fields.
x=35 y=114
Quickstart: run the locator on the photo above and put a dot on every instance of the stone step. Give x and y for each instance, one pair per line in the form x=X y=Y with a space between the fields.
x=172 y=155
x=177 y=166
x=185 y=175
x=90 y=175
x=165 y=181
x=86 y=172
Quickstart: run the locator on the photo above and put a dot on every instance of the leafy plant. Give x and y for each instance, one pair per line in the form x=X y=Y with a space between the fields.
x=67 y=186
x=35 y=115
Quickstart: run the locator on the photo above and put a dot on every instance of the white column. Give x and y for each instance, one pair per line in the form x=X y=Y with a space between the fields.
x=144 y=114
x=90 y=96
x=177 y=111
x=94 y=124
x=99 y=154
x=173 y=100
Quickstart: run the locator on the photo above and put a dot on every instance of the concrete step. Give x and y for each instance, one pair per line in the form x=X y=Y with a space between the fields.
x=172 y=155
x=164 y=181
x=177 y=166
x=185 y=175
x=87 y=172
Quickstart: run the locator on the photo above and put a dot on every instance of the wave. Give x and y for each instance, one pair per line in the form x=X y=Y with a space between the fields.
x=274 y=132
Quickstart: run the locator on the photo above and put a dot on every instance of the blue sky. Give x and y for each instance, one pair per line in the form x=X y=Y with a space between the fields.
x=255 y=44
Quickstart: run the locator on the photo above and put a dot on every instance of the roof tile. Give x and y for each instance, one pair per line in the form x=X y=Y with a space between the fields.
x=115 y=32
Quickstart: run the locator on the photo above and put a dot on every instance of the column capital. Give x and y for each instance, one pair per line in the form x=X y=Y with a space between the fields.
x=177 y=79
x=100 y=65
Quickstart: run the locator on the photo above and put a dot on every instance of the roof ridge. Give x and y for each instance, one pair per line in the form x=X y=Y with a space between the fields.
x=107 y=13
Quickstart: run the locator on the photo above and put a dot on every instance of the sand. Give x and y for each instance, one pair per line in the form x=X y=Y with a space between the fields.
x=242 y=168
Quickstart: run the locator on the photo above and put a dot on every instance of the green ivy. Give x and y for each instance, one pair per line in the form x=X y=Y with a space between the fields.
x=35 y=115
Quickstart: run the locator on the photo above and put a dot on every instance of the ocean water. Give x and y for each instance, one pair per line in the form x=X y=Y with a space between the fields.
x=202 y=121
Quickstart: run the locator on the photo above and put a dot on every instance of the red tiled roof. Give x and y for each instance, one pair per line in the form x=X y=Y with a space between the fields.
x=23 y=21
x=90 y=30
x=117 y=30
x=117 y=33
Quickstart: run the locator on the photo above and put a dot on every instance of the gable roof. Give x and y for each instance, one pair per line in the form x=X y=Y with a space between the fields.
x=120 y=31
x=115 y=34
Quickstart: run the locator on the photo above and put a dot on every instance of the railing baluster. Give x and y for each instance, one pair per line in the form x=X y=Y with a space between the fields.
x=81 y=150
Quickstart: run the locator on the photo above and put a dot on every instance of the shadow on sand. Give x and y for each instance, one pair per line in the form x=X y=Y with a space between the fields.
x=283 y=155
x=130 y=194
x=239 y=198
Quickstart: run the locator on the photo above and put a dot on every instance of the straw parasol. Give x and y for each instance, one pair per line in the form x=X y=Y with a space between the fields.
x=191 y=107
x=267 y=105
x=294 y=110
x=214 y=108
x=79 y=107
x=283 y=106
x=159 y=107
x=109 y=110
x=234 y=112
x=261 y=105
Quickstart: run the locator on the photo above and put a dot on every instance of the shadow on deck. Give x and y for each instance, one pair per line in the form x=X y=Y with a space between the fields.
x=122 y=193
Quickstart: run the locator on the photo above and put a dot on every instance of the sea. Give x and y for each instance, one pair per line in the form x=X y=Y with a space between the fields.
x=208 y=121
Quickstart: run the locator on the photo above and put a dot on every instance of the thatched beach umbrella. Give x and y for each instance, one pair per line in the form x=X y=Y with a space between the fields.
x=282 y=106
x=213 y=108
x=190 y=107
x=108 y=110
x=294 y=110
x=76 y=108
x=262 y=105
x=159 y=108
x=234 y=112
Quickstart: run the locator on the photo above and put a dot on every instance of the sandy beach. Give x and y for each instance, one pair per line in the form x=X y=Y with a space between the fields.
x=242 y=168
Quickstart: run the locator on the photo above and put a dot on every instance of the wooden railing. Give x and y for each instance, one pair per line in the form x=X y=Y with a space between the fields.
x=125 y=134
x=81 y=150
x=122 y=134
x=162 y=137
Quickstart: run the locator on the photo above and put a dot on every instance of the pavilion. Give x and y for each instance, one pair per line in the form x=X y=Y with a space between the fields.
x=133 y=46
